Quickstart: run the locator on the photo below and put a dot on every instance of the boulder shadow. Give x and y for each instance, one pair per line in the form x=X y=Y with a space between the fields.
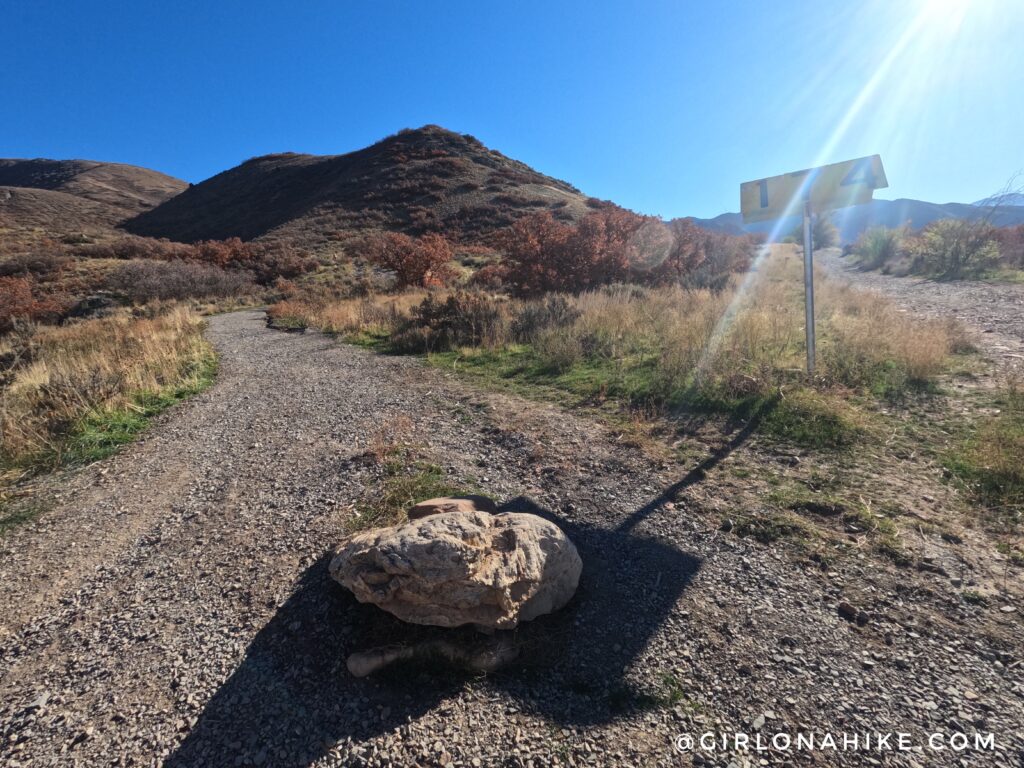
x=574 y=663
x=292 y=696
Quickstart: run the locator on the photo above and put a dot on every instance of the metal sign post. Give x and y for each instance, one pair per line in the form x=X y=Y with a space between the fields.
x=809 y=286
x=821 y=189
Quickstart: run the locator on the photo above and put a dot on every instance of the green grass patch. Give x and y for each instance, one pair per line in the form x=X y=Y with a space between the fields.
x=769 y=527
x=853 y=517
x=990 y=462
x=13 y=515
x=375 y=338
x=406 y=481
x=801 y=416
x=98 y=434
x=798 y=498
x=288 y=323
x=103 y=431
x=667 y=693
x=1004 y=275
x=1012 y=552
x=973 y=598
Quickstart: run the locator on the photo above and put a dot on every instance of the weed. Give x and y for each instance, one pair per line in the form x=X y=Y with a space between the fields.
x=988 y=463
x=1016 y=556
x=102 y=431
x=973 y=598
x=771 y=527
x=406 y=481
x=12 y=515
x=675 y=350
x=75 y=391
x=891 y=550
x=672 y=690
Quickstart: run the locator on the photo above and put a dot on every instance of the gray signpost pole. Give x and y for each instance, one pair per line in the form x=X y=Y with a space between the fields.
x=809 y=287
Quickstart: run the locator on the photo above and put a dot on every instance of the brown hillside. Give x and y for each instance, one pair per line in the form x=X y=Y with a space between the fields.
x=417 y=181
x=54 y=212
x=125 y=189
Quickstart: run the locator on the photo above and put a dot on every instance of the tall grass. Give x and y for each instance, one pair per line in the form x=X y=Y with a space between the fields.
x=670 y=347
x=990 y=462
x=355 y=319
x=77 y=391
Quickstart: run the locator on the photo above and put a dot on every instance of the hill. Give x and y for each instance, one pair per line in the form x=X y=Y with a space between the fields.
x=55 y=212
x=427 y=179
x=1004 y=198
x=889 y=213
x=121 y=191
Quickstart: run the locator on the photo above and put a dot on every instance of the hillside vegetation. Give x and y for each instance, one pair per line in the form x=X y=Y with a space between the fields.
x=417 y=181
x=947 y=249
x=75 y=393
x=117 y=191
x=670 y=346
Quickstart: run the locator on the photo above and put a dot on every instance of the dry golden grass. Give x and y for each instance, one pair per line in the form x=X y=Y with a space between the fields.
x=746 y=339
x=66 y=373
x=368 y=315
x=865 y=332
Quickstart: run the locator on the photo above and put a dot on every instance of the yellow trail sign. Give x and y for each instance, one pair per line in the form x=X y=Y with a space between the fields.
x=826 y=188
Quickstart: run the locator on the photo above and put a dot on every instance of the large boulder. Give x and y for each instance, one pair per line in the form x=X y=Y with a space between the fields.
x=451 y=504
x=461 y=567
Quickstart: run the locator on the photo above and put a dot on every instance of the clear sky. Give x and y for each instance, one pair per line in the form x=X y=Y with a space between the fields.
x=664 y=107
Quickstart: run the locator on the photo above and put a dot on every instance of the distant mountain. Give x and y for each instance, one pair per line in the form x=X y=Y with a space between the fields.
x=852 y=221
x=1006 y=198
x=95 y=193
x=428 y=179
x=726 y=223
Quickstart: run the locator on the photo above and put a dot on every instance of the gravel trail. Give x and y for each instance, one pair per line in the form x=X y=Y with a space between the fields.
x=173 y=606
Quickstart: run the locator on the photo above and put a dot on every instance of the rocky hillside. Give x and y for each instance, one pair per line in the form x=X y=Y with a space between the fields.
x=428 y=179
x=71 y=194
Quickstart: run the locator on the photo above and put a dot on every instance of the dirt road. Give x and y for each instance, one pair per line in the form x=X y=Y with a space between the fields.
x=173 y=606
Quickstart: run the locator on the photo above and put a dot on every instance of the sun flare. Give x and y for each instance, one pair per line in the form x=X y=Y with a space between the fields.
x=947 y=14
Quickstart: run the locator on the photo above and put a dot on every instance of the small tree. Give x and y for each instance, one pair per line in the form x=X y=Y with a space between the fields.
x=823 y=233
x=533 y=246
x=687 y=249
x=424 y=263
x=952 y=248
x=1011 y=245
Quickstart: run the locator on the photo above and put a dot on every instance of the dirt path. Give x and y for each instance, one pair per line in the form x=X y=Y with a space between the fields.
x=994 y=312
x=174 y=608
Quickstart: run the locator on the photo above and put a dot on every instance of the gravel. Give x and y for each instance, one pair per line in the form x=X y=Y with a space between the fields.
x=173 y=606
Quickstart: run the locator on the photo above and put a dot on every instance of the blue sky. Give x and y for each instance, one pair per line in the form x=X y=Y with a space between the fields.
x=664 y=107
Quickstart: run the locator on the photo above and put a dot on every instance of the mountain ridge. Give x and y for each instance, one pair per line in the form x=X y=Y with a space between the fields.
x=415 y=181
x=851 y=222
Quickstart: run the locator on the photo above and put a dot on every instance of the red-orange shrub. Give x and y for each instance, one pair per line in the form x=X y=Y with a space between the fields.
x=543 y=254
x=687 y=249
x=17 y=300
x=422 y=262
x=265 y=261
